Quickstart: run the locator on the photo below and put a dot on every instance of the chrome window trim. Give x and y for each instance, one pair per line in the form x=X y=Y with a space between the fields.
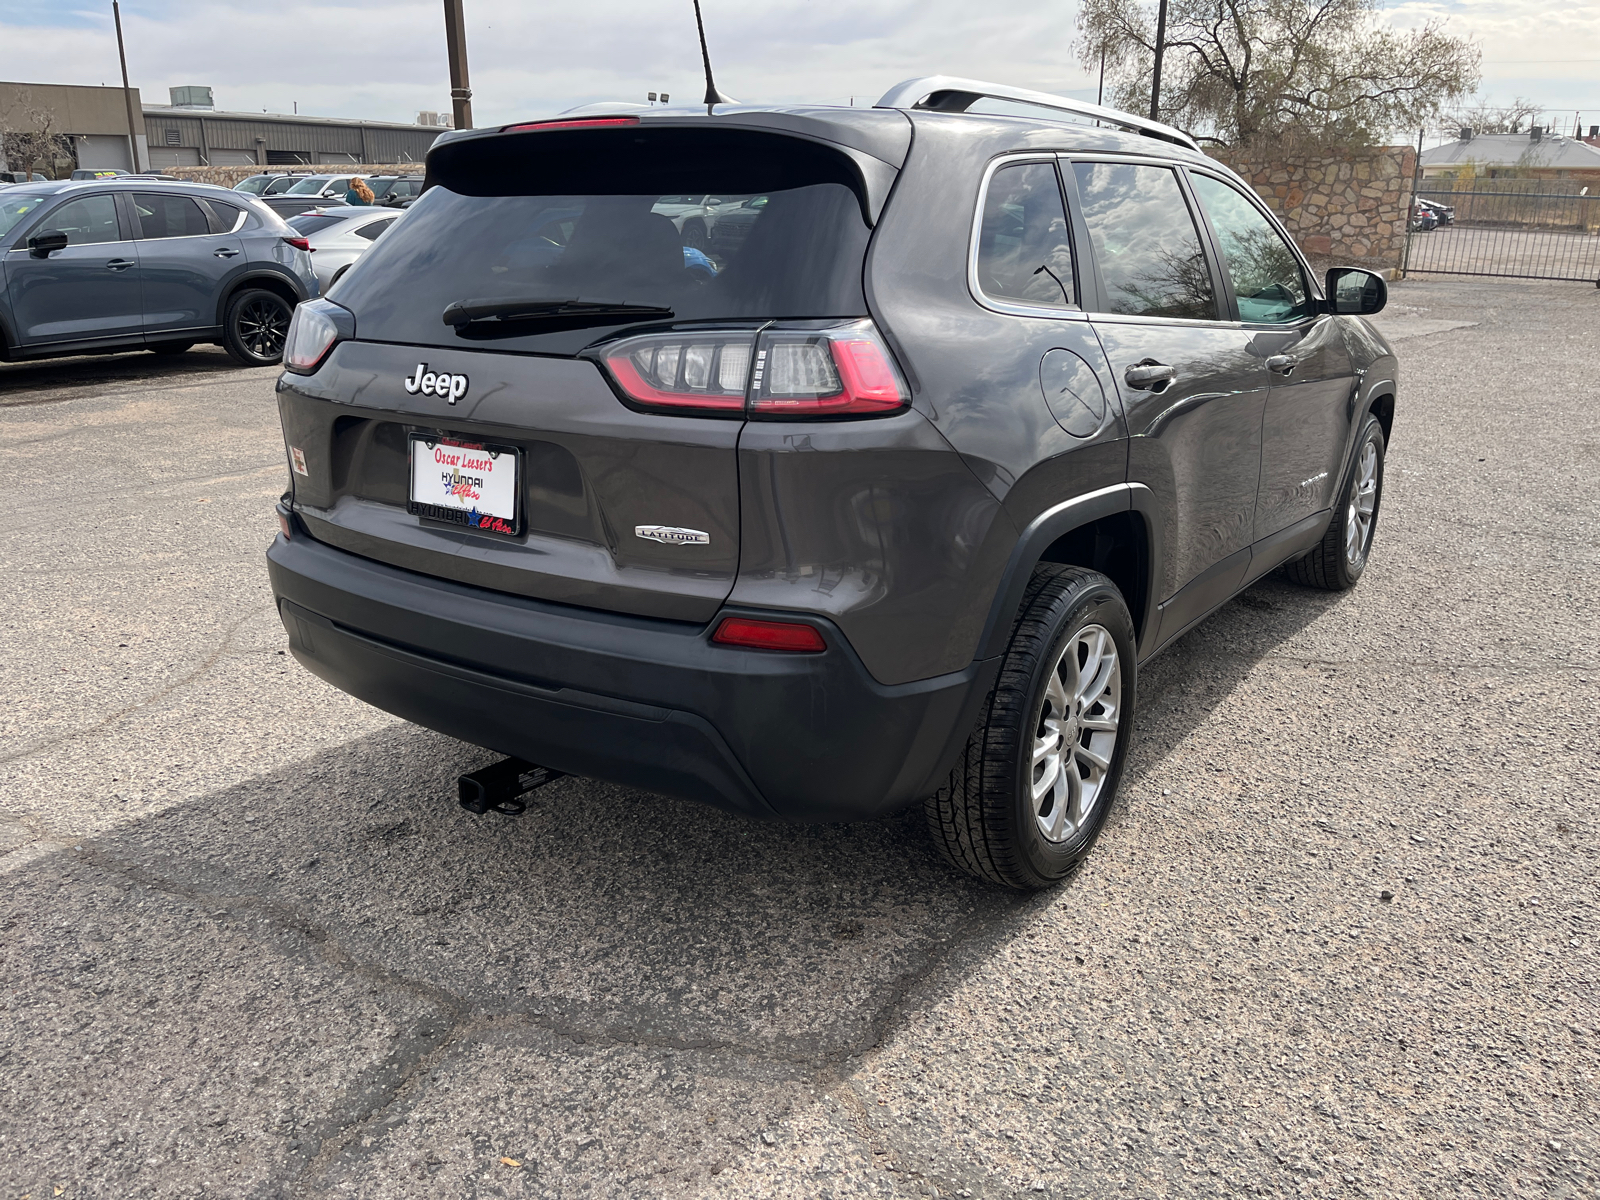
x=1010 y=307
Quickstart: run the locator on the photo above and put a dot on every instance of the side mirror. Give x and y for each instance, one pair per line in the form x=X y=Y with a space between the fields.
x=43 y=245
x=1354 y=292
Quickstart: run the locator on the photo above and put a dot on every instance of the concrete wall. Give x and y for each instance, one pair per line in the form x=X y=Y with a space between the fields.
x=1348 y=206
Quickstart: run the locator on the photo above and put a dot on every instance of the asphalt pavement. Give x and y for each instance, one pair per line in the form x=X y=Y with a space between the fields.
x=1337 y=940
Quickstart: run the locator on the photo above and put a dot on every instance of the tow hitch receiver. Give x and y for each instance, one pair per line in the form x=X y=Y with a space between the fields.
x=497 y=787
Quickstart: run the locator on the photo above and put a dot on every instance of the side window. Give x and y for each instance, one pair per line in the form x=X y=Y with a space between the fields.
x=169 y=216
x=371 y=230
x=85 y=222
x=1266 y=276
x=1024 y=253
x=224 y=217
x=1145 y=241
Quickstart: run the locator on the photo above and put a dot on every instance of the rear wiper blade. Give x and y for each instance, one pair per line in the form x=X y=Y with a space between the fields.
x=468 y=312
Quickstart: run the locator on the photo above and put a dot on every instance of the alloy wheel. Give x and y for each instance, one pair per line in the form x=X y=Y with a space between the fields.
x=1362 y=505
x=263 y=326
x=1075 y=737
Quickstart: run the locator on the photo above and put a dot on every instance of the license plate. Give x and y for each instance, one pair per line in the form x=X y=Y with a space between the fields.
x=465 y=483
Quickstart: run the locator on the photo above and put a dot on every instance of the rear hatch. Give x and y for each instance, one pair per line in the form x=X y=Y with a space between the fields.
x=539 y=379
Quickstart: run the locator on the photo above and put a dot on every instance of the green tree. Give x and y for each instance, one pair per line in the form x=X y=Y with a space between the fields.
x=1240 y=72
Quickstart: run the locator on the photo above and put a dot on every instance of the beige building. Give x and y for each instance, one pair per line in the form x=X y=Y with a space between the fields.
x=94 y=120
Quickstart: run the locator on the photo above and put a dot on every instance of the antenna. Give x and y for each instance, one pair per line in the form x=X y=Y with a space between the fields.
x=713 y=97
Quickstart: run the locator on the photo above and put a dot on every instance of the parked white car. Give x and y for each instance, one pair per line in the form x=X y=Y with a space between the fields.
x=339 y=236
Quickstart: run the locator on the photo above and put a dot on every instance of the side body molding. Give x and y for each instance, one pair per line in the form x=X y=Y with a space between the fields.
x=1050 y=525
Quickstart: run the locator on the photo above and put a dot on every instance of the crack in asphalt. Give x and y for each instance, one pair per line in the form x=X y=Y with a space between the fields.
x=468 y=1019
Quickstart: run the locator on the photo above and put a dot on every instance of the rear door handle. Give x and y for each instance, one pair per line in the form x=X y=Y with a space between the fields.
x=1283 y=364
x=224 y=253
x=1150 y=375
x=119 y=264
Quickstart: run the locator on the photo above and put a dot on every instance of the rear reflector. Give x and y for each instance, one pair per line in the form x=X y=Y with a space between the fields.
x=586 y=123
x=769 y=635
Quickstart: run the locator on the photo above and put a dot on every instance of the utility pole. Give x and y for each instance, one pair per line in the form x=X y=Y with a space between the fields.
x=1100 y=96
x=455 y=44
x=127 y=92
x=1161 y=45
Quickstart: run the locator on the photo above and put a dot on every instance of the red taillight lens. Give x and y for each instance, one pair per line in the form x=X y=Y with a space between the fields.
x=299 y=243
x=838 y=373
x=585 y=123
x=284 y=527
x=686 y=373
x=769 y=635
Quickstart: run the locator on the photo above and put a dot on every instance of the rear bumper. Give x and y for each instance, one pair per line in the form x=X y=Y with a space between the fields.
x=645 y=703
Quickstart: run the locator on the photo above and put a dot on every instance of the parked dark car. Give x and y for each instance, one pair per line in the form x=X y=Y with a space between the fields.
x=395 y=191
x=23 y=177
x=287 y=206
x=977 y=414
x=96 y=266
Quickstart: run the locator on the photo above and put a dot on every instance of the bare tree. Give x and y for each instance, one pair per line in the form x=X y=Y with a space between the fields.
x=1487 y=118
x=1237 y=72
x=28 y=137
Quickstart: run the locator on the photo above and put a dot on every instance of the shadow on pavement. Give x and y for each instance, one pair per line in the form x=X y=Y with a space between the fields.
x=33 y=382
x=244 y=976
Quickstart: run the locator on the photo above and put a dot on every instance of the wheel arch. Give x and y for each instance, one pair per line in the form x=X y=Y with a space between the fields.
x=1114 y=531
x=1381 y=405
x=271 y=281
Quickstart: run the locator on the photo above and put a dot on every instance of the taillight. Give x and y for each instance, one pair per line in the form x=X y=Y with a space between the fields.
x=313 y=330
x=684 y=372
x=299 y=243
x=751 y=634
x=840 y=372
x=786 y=374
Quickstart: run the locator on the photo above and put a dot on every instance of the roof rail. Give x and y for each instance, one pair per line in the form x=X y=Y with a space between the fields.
x=948 y=93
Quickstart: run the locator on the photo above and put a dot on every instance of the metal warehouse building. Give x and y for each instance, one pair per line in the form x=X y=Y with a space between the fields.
x=189 y=135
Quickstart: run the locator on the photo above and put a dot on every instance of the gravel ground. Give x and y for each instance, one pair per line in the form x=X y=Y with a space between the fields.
x=1337 y=940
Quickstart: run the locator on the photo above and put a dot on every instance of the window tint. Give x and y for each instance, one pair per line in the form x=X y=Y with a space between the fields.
x=223 y=216
x=86 y=221
x=1266 y=276
x=169 y=216
x=371 y=232
x=309 y=223
x=1145 y=241
x=1023 y=250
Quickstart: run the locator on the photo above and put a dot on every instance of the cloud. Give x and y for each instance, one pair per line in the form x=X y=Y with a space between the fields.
x=386 y=60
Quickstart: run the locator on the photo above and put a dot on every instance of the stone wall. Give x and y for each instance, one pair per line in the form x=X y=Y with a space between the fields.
x=228 y=176
x=1340 y=206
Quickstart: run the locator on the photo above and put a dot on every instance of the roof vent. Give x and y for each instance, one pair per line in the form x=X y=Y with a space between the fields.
x=1466 y=133
x=1536 y=134
x=190 y=97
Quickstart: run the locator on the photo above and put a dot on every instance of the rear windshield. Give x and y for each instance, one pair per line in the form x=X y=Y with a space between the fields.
x=309 y=223
x=310 y=185
x=777 y=233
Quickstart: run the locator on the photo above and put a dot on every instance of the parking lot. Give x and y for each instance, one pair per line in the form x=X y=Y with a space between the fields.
x=1338 y=938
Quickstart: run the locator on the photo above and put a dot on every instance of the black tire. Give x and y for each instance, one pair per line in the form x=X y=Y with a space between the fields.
x=169 y=348
x=1331 y=564
x=984 y=819
x=254 y=329
x=694 y=236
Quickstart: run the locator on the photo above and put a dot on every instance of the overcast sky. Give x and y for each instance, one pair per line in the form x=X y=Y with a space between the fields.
x=384 y=59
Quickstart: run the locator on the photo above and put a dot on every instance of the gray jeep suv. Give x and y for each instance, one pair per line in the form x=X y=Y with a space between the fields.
x=882 y=501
